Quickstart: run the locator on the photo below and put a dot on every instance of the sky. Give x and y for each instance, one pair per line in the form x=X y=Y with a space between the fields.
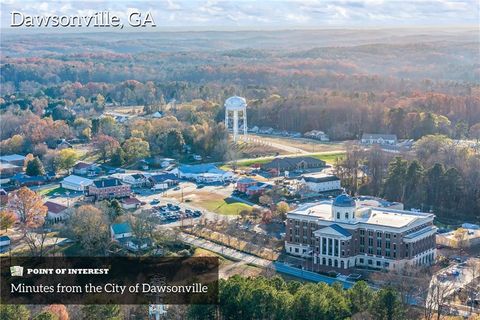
x=213 y=14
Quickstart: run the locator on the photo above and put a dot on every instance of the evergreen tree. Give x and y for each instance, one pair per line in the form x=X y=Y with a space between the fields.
x=105 y=312
x=393 y=188
x=361 y=296
x=414 y=191
x=118 y=158
x=452 y=189
x=14 y=312
x=433 y=185
x=46 y=315
x=35 y=167
x=386 y=305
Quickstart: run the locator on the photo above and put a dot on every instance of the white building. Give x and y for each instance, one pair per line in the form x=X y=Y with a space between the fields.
x=206 y=173
x=76 y=183
x=56 y=212
x=120 y=231
x=321 y=182
x=381 y=139
x=317 y=135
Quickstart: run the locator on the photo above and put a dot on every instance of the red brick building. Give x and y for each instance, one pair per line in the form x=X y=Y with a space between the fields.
x=108 y=189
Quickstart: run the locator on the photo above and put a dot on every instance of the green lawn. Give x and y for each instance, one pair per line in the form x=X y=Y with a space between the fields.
x=330 y=158
x=327 y=157
x=225 y=206
x=52 y=191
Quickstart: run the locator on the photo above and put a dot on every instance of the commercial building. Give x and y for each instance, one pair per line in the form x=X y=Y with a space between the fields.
x=76 y=183
x=108 y=189
x=203 y=173
x=381 y=139
x=293 y=163
x=321 y=182
x=346 y=233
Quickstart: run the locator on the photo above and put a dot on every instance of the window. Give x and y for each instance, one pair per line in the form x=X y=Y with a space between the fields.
x=379 y=242
x=338 y=215
x=386 y=264
x=336 y=248
x=362 y=249
x=387 y=244
x=387 y=253
x=330 y=247
x=370 y=242
x=379 y=263
x=370 y=250
x=387 y=235
x=362 y=232
x=361 y=260
x=346 y=215
x=379 y=251
x=296 y=250
x=379 y=234
x=362 y=241
x=370 y=261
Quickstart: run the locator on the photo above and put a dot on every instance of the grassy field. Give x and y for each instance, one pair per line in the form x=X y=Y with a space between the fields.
x=328 y=157
x=227 y=206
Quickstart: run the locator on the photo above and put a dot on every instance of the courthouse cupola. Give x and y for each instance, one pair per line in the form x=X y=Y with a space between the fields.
x=343 y=208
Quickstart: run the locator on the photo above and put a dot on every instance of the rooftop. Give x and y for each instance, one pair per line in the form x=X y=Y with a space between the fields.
x=387 y=217
x=200 y=168
x=105 y=183
x=78 y=180
x=12 y=157
x=384 y=136
x=119 y=228
x=319 y=177
x=55 y=207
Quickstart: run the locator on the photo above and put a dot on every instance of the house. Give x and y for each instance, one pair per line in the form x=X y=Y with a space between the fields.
x=14 y=159
x=163 y=181
x=136 y=180
x=244 y=183
x=64 y=144
x=265 y=130
x=166 y=162
x=120 y=231
x=258 y=189
x=204 y=173
x=344 y=234
x=135 y=244
x=4 y=243
x=3 y=197
x=292 y=163
x=157 y=115
x=317 y=135
x=21 y=179
x=56 y=212
x=381 y=139
x=108 y=188
x=76 y=183
x=130 y=203
x=86 y=169
x=9 y=170
x=321 y=182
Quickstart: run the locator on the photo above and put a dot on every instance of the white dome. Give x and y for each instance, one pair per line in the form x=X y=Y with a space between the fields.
x=235 y=103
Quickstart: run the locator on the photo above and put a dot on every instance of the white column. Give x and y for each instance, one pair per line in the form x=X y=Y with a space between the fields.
x=226 y=119
x=235 y=125
x=245 y=121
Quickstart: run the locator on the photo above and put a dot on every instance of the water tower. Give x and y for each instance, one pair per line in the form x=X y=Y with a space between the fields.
x=236 y=106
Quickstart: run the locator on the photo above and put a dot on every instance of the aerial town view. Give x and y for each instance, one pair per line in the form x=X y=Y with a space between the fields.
x=325 y=154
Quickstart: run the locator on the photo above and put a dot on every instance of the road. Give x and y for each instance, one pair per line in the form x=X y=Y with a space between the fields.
x=225 y=251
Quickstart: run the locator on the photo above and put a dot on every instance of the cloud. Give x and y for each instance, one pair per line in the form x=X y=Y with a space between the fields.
x=267 y=13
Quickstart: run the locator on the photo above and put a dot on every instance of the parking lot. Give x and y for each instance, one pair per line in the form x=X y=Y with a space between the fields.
x=170 y=212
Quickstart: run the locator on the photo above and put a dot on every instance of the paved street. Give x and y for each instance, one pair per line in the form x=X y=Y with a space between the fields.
x=228 y=252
